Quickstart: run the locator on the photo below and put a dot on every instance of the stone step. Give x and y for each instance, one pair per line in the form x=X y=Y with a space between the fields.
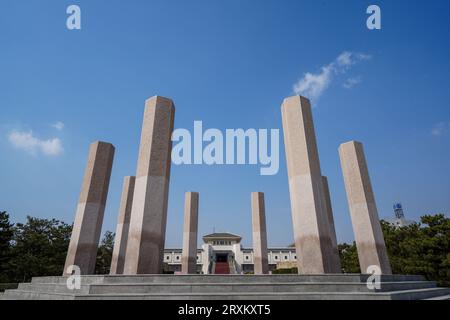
x=225 y=287
x=255 y=287
x=18 y=294
x=348 y=278
x=400 y=295
x=63 y=280
x=252 y=278
x=420 y=294
x=188 y=287
x=446 y=297
x=53 y=288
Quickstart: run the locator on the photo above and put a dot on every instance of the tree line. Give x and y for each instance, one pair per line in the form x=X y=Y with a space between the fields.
x=419 y=249
x=38 y=247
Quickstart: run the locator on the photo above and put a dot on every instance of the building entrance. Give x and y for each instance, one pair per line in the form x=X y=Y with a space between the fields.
x=222 y=265
x=221 y=257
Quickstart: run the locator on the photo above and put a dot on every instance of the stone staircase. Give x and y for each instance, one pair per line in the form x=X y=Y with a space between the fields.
x=230 y=287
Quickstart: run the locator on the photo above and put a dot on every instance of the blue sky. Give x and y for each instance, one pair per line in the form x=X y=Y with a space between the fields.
x=229 y=64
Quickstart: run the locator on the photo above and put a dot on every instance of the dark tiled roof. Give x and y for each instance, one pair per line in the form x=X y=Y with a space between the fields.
x=222 y=235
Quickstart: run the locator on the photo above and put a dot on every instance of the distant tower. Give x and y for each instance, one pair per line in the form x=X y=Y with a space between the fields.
x=399 y=220
x=398 y=210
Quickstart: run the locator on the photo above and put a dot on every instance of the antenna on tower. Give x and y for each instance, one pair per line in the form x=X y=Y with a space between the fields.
x=398 y=210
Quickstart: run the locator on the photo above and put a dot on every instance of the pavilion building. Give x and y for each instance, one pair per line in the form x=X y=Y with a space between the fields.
x=223 y=253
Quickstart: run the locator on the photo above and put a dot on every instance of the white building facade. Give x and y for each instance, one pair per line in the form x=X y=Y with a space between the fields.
x=226 y=248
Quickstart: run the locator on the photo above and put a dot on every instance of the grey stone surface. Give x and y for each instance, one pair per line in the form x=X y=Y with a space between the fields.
x=146 y=237
x=229 y=287
x=123 y=226
x=260 y=259
x=88 y=222
x=334 y=258
x=363 y=210
x=311 y=229
x=189 y=254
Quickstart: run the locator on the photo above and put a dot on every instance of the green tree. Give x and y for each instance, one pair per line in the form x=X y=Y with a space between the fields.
x=6 y=235
x=349 y=258
x=104 y=254
x=422 y=249
x=39 y=249
x=419 y=249
x=405 y=249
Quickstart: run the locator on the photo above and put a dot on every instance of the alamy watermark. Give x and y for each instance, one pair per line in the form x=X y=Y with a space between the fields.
x=74 y=280
x=374 y=20
x=73 y=22
x=374 y=280
x=235 y=146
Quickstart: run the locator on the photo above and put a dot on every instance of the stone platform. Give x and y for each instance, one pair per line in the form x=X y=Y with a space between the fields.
x=229 y=287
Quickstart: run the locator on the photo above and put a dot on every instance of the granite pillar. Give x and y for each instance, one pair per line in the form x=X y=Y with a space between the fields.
x=335 y=261
x=146 y=237
x=88 y=222
x=311 y=230
x=260 y=252
x=363 y=210
x=189 y=255
x=123 y=225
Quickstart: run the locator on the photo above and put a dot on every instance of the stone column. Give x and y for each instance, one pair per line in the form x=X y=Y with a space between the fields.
x=145 y=246
x=335 y=261
x=311 y=231
x=189 y=256
x=123 y=225
x=363 y=210
x=260 y=259
x=90 y=210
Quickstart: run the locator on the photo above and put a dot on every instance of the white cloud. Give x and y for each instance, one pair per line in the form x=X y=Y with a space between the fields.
x=58 y=125
x=351 y=82
x=28 y=142
x=312 y=85
x=440 y=128
x=347 y=59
